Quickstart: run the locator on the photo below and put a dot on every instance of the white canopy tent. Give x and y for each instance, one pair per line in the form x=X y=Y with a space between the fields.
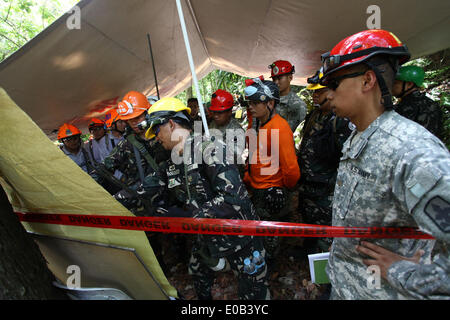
x=65 y=75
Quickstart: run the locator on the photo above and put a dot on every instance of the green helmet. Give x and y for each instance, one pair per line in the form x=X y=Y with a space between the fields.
x=411 y=73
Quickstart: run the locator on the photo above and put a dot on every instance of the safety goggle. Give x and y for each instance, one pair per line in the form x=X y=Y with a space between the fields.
x=155 y=127
x=251 y=90
x=331 y=62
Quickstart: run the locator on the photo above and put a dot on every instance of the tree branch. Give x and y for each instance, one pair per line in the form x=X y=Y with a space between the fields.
x=10 y=40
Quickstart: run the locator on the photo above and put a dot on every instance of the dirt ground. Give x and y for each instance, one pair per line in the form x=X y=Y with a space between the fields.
x=290 y=279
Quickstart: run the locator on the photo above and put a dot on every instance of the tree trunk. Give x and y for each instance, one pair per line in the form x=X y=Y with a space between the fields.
x=189 y=93
x=23 y=270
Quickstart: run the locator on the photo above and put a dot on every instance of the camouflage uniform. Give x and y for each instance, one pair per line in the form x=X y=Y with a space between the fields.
x=273 y=245
x=123 y=158
x=417 y=107
x=320 y=151
x=234 y=150
x=211 y=190
x=395 y=174
x=292 y=108
x=233 y=124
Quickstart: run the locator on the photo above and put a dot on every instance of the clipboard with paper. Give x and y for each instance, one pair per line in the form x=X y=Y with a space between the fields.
x=317 y=265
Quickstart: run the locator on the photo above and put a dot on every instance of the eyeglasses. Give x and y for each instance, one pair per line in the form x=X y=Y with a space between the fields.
x=95 y=129
x=71 y=138
x=334 y=83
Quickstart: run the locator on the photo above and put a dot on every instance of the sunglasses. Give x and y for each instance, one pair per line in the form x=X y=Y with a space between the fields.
x=157 y=127
x=334 y=83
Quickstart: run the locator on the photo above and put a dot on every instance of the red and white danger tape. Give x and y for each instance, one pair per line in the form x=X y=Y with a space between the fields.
x=222 y=226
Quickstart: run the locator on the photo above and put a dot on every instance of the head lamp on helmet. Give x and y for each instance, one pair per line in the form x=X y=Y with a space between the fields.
x=373 y=48
x=132 y=105
x=281 y=67
x=262 y=91
x=359 y=48
x=314 y=81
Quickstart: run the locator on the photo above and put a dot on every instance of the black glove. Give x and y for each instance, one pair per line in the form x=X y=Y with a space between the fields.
x=275 y=199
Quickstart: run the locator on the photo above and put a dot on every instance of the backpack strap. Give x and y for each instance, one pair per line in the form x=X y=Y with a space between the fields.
x=91 y=152
x=143 y=151
x=90 y=162
x=139 y=163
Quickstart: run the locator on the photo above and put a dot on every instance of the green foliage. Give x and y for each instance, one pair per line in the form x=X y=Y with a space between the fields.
x=215 y=80
x=437 y=85
x=21 y=20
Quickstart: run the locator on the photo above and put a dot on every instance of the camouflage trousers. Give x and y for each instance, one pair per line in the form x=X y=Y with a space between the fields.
x=250 y=287
x=315 y=205
x=272 y=244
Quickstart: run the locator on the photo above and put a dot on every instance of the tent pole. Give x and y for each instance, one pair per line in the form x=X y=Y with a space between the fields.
x=153 y=64
x=191 y=63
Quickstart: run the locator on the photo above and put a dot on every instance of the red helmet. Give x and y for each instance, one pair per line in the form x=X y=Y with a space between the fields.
x=221 y=101
x=133 y=105
x=281 y=67
x=96 y=123
x=67 y=130
x=360 y=47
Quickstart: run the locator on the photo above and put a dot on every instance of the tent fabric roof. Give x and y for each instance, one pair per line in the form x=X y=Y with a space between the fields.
x=67 y=75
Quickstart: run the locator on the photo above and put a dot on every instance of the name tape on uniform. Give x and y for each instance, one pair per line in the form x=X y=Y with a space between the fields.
x=221 y=226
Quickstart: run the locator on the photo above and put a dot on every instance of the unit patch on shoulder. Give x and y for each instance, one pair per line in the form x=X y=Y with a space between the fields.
x=438 y=210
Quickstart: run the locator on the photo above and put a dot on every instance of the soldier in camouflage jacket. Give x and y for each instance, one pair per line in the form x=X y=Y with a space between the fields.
x=393 y=173
x=198 y=182
x=319 y=154
x=291 y=107
x=413 y=104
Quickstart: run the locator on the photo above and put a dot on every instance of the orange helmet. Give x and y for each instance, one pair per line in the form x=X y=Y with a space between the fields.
x=67 y=130
x=132 y=105
x=96 y=123
x=111 y=117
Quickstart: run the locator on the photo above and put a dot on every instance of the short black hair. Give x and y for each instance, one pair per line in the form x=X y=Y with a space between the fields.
x=192 y=100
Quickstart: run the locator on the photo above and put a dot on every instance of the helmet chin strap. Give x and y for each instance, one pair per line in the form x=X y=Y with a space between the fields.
x=258 y=125
x=386 y=97
x=115 y=128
